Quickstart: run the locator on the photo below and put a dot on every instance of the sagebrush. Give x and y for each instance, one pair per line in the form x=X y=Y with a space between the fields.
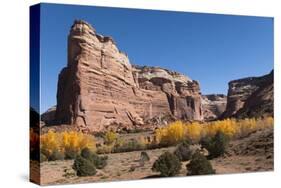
x=167 y=164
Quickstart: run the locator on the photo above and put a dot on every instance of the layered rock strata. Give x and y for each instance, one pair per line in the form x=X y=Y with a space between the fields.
x=100 y=89
x=250 y=97
x=213 y=106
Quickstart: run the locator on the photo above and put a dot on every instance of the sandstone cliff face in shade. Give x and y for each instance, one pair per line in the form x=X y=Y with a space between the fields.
x=250 y=97
x=213 y=106
x=100 y=89
x=49 y=116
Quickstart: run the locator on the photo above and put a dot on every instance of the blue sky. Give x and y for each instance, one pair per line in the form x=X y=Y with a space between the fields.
x=210 y=48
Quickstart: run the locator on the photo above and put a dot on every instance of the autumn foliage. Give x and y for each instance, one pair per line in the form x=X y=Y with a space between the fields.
x=64 y=142
x=179 y=131
x=172 y=134
x=110 y=137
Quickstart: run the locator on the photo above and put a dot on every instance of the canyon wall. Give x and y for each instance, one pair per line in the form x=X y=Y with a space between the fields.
x=213 y=106
x=250 y=97
x=100 y=89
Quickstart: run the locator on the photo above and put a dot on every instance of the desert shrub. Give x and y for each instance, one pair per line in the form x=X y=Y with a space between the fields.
x=43 y=158
x=103 y=149
x=206 y=142
x=56 y=155
x=199 y=165
x=69 y=143
x=130 y=145
x=87 y=153
x=144 y=156
x=110 y=137
x=70 y=154
x=99 y=161
x=167 y=164
x=184 y=151
x=84 y=167
x=216 y=145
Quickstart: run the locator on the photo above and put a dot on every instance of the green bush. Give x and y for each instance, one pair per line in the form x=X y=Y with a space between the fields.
x=84 y=167
x=43 y=157
x=216 y=145
x=99 y=162
x=70 y=154
x=183 y=151
x=167 y=164
x=199 y=165
x=56 y=155
x=86 y=153
x=86 y=163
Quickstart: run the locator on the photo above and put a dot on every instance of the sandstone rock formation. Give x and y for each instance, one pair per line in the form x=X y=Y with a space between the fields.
x=99 y=89
x=250 y=97
x=213 y=106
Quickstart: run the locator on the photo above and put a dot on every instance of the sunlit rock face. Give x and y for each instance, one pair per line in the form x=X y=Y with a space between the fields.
x=99 y=89
x=213 y=106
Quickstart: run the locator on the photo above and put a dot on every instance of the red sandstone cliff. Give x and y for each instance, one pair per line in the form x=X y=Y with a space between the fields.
x=100 y=89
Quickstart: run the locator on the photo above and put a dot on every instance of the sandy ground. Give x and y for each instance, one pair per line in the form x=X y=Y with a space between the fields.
x=249 y=154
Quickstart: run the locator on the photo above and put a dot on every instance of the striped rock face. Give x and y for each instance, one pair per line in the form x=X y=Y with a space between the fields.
x=99 y=89
x=250 y=97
